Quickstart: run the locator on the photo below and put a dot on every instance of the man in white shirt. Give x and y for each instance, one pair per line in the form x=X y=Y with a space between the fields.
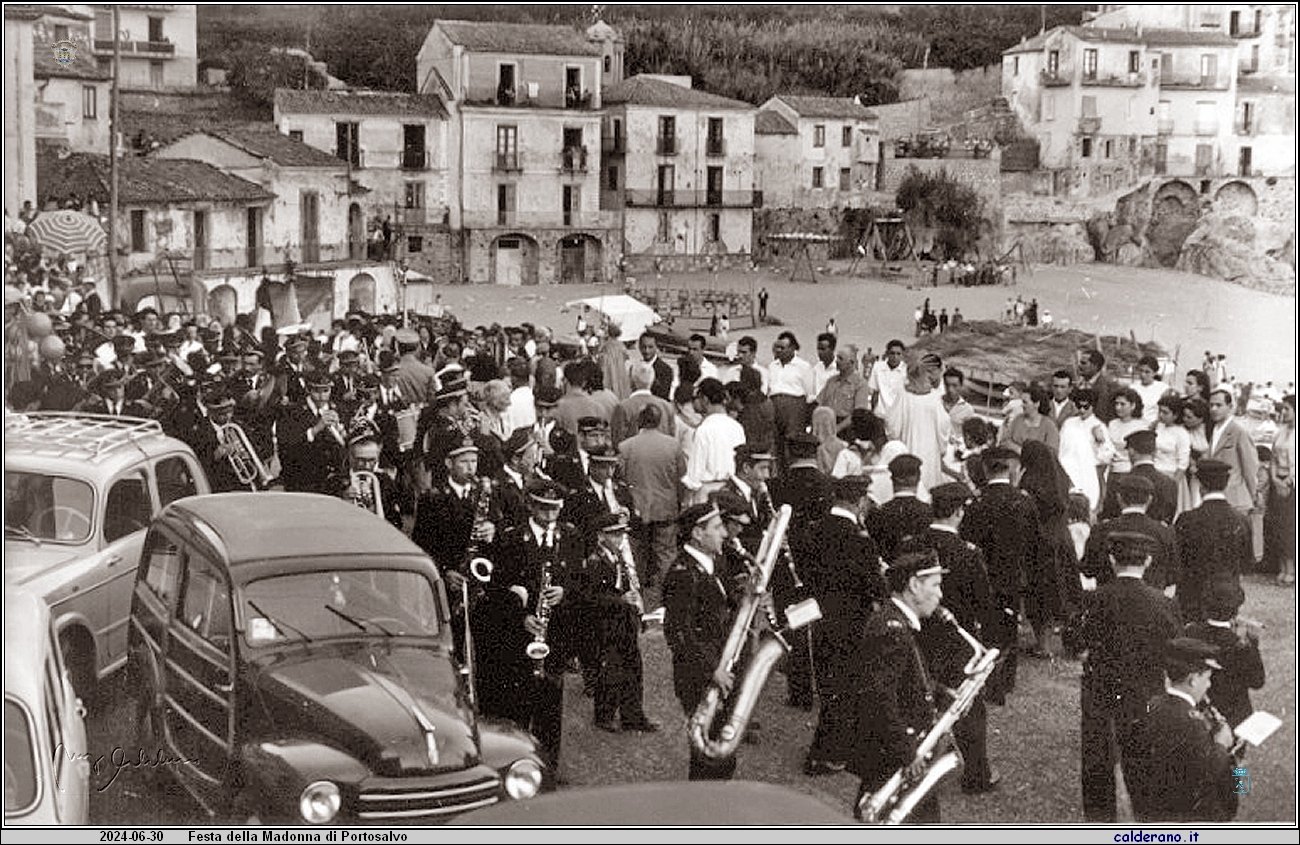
x=825 y=366
x=887 y=377
x=712 y=456
x=792 y=387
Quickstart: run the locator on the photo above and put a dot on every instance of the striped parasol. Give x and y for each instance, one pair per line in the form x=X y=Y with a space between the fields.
x=68 y=232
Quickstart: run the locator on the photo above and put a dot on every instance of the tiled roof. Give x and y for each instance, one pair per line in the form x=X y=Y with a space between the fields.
x=528 y=38
x=835 y=107
x=1262 y=84
x=768 y=122
x=1149 y=37
x=82 y=66
x=263 y=141
x=644 y=91
x=142 y=180
x=33 y=11
x=387 y=103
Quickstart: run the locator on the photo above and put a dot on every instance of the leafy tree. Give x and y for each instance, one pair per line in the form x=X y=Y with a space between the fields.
x=256 y=70
x=938 y=201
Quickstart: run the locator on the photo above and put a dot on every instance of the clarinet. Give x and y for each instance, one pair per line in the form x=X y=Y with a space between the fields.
x=785 y=544
x=477 y=566
x=538 y=649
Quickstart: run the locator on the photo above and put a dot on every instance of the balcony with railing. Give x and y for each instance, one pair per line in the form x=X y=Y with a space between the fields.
x=1060 y=78
x=1246 y=67
x=1134 y=79
x=614 y=144
x=1165 y=126
x=1252 y=32
x=559 y=219
x=153 y=49
x=575 y=99
x=415 y=160
x=506 y=163
x=652 y=198
x=666 y=145
x=573 y=160
x=1089 y=125
x=1217 y=82
x=715 y=146
x=1247 y=128
x=1206 y=127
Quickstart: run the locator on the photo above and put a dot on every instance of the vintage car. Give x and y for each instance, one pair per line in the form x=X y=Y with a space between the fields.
x=80 y=491
x=292 y=656
x=47 y=769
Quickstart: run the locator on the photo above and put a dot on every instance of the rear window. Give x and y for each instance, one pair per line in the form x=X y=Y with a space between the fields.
x=340 y=603
x=20 y=761
x=48 y=507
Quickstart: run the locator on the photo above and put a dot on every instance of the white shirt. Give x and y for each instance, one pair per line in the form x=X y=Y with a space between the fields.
x=793 y=379
x=522 y=412
x=712 y=456
x=705 y=561
x=887 y=382
x=912 y=618
x=822 y=373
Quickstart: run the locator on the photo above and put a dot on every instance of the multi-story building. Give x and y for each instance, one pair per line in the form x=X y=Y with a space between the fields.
x=524 y=106
x=157 y=44
x=72 y=91
x=397 y=158
x=836 y=154
x=680 y=164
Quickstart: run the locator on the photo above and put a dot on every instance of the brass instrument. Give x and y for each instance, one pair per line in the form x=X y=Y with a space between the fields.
x=631 y=583
x=243 y=459
x=770 y=649
x=538 y=650
x=785 y=544
x=895 y=801
x=477 y=565
x=366 y=492
x=335 y=428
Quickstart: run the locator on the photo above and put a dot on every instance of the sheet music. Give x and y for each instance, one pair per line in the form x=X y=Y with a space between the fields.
x=1257 y=727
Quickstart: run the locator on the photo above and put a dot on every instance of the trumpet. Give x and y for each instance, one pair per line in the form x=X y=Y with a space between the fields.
x=333 y=426
x=243 y=459
x=895 y=801
x=366 y=492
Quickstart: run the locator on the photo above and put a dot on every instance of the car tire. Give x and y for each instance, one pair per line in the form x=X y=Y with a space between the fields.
x=79 y=660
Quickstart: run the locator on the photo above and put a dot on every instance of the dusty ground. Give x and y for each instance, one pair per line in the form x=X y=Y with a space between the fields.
x=1185 y=313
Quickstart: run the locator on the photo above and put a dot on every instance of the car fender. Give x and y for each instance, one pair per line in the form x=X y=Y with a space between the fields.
x=277 y=771
x=502 y=743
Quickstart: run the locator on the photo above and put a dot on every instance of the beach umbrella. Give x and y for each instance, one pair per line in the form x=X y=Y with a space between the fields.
x=68 y=232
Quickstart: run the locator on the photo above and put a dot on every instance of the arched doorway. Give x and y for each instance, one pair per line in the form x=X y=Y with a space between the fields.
x=1174 y=213
x=580 y=260
x=361 y=293
x=223 y=304
x=356 y=233
x=1236 y=198
x=514 y=260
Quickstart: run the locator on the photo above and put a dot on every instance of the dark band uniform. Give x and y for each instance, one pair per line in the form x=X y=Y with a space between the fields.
x=307 y=460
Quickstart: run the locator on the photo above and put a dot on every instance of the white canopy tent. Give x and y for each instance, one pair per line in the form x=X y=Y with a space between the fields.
x=631 y=314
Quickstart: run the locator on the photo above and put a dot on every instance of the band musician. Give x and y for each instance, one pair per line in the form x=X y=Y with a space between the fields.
x=212 y=448
x=363 y=458
x=311 y=439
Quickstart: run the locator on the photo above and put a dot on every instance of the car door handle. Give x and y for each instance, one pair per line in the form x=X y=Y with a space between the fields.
x=112 y=560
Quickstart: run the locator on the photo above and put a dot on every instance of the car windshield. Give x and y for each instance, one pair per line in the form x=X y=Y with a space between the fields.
x=307 y=606
x=48 y=507
x=20 y=762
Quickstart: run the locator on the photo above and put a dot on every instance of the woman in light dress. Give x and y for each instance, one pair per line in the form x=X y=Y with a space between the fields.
x=1031 y=423
x=1085 y=449
x=1149 y=388
x=1195 y=412
x=1129 y=418
x=1173 y=445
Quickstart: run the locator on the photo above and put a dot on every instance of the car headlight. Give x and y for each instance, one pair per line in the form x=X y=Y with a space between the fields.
x=523 y=779
x=319 y=802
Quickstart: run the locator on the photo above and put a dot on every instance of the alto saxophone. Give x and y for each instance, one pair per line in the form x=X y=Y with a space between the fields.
x=538 y=650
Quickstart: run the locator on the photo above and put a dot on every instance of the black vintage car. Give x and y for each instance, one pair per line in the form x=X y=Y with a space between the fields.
x=292 y=653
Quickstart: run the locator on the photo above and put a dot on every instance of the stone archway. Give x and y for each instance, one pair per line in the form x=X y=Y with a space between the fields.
x=514 y=260
x=580 y=259
x=361 y=293
x=1174 y=212
x=1237 y=199
x=223 y=304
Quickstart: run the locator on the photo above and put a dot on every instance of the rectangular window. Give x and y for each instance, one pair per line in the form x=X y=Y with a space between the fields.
x=1209 y=66
x=1049 y=108
x=1089 y=64
x=295 y=135
x=156 y=77
x=413 y=151
x=1108 y=149
x=505 y=85
x=137 y=231
x=507 y=148
x=666 y=144
x=414 y=243
x=347 y=138
x=254 y=237
x=819 y=135
x=846 y=136
x=574 y=96
x=713 y=233
x=1247 y=118
x=200 y=240
x=1015 y=66
x=846 y=179
x=60 y=32
x=713 y=194
x=571 y=205
x=414 y=194
x=309 y=204
x=1086 y=148
x=89 y=102
x=665 y=183
x=663 y=231
x=156 y=29
x=612 y=178
x=1134 y=61
x=505 y=205
x=715 y=146
x=819 y=179
x=1053 y=62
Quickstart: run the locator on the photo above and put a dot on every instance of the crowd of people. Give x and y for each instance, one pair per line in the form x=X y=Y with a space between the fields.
x=612 y=489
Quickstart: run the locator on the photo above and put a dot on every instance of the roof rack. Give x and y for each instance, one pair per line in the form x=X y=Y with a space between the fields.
x=57 y=434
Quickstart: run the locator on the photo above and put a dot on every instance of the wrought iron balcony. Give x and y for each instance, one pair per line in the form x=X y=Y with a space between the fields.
x=692 y=199
x=1057 y=79
x=574 y=160
x=415 y=159
x=1089 y=125
x=506 y=162
x=715 y=146
x=666 y=145
x=616 y=144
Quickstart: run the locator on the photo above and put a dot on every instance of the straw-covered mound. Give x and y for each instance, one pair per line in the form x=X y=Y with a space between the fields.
x=992 y=355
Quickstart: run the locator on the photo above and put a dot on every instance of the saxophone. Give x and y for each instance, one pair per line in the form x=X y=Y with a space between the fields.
x=895 y=801
x=538 y=650
x=770 y=649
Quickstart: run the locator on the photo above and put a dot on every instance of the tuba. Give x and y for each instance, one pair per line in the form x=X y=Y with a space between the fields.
x=248 y=467
x=895 y=801
x=367 y=493
x=771 y=647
